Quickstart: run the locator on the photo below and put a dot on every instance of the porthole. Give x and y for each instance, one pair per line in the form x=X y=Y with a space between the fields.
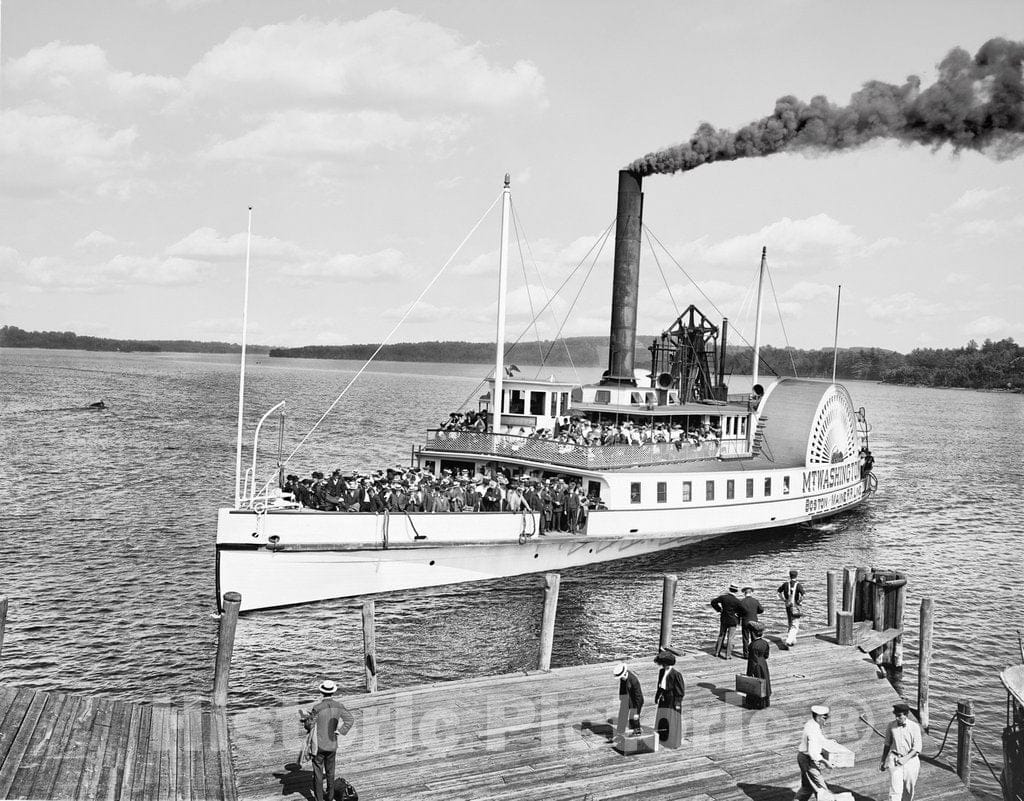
x=431 y=562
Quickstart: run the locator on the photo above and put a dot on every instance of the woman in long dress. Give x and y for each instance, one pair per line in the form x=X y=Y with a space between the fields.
x=757 y=665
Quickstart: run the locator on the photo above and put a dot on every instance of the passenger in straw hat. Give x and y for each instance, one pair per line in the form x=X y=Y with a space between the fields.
x=329 y=718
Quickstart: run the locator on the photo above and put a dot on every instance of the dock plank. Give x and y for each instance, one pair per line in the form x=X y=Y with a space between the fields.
x=532 y=735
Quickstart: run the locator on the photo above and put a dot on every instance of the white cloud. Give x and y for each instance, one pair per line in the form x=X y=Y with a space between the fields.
x=974 y=199
x=47 y=153
x=326 y=135
x=387 y=60
x=77 y=76
x=904 y=303
x=991 y=327
x=95 y=239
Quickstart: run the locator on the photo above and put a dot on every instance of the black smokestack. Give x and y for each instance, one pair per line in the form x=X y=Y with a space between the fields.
x=976 y=103
x=626 y=280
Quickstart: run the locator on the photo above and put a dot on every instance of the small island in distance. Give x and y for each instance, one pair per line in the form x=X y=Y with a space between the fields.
x=991 y=365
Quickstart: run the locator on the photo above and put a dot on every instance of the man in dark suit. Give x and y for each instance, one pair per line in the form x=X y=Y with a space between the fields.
x=331 y=719
x=751 y=609
x=728 y=607
x=629 y=688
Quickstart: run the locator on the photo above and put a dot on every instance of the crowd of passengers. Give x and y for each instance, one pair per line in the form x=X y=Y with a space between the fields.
x=582 y=431
x=562 y=504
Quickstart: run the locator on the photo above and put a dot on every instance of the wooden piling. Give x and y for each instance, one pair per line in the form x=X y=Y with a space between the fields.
x=849 y=588
x=878 y=615
x=369 y=646
x=863 y=597
x=831 y=586
x=225 y=644
x=668 y=599
x=547 y=629
x=3 y=621
x=964 y=735
x=924 y=664
x=844 y=628
x=900 y=602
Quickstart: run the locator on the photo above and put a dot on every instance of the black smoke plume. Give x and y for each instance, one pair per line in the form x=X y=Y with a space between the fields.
x=976 y=104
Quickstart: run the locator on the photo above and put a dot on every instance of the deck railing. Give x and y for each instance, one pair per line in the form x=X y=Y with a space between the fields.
x=581 y=456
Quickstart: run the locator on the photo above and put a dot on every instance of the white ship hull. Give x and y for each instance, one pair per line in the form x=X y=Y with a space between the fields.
x=285 y=557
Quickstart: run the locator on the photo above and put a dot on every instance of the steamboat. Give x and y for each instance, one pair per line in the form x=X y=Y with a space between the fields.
x=793 y=452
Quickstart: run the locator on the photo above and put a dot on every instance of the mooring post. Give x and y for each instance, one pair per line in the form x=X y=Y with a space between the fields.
x=864 y=598
x=831 y=585
x=849 y=588
x=225 y=645
x=369 y=646
x=878 y=616
x=3 y=621
x=547 y=628
x=844 y=628
x=964 y=734
x=924 y=664
x=900 y=602
x=668 y=600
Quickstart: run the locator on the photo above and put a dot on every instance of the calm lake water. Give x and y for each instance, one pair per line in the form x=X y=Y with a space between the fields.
x=109 y=523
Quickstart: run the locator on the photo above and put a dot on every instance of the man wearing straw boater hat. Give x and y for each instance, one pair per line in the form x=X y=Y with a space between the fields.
x=331 y=718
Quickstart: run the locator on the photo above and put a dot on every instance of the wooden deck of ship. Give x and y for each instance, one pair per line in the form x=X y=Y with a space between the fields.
x=56 y=745
x=545 y=736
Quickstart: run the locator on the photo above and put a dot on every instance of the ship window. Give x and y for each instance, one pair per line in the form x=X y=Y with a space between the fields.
x=767 y=487
x=516 y=402
x=554 y=404
x=710 y=490
x=565 y=404
x=730 y=489
x=785 y=485
x=687 y=492
x=652 y=399
x=428 y=465
x=636 y=398
x=662 y=491
x=743 y=426
x=634 y=492
x=577 y=394
x=537 y=402
x=750 y=488
x=603 y=396
x=593 y=489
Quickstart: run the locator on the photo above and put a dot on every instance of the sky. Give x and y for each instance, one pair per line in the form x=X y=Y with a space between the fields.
x=370 y=140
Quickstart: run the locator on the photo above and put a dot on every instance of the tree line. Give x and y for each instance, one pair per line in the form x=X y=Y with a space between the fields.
x=13 y=337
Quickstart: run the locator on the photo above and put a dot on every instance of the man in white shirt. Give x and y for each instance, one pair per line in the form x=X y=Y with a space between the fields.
x=809 y=757
x=900 y=754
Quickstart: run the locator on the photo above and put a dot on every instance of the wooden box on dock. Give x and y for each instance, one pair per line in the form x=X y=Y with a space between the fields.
x=837 y=756
x=644 y=743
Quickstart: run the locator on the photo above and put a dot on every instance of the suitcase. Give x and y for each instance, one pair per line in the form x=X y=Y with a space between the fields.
x=750 y=685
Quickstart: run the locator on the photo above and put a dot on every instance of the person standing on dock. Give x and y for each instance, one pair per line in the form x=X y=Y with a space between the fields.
x=630 y=693
x=671 y=685
x=730 y=611
x=810 y=759
x=900 y=754
x=757 y=664
x=331 y=719
x=792 y=594
x=751 y=609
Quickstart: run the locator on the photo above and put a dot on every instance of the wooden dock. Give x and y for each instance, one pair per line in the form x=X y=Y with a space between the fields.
x=546 y=736
x=60 y=746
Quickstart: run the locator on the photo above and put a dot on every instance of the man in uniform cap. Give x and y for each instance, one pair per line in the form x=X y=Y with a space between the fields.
x=792 y=594
x=809 y=758
x=900 y=754
x=331 y=718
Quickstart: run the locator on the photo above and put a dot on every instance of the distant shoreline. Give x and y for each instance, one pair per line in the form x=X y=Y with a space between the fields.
x=993 y=365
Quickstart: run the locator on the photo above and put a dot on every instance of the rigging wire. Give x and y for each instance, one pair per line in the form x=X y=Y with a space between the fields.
x=785 y=336
x=701 y=291
x=543 y=285
x=393 y=330
x=601 y=239
x=526 y=280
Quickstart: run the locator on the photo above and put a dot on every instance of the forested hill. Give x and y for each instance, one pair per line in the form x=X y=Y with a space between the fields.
x=14 y=337
x=993 y=365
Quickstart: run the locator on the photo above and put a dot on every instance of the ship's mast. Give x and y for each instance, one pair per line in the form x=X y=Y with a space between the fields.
x=241 y=372
x=757 y=315
x=499 y=356
x=835 y=341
